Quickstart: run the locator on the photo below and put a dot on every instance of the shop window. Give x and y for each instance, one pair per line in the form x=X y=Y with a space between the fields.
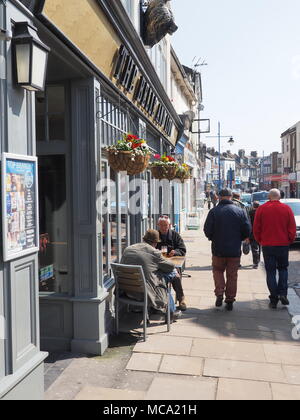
x=50 y=114
x=105 y=218
x=124 y=212
x=113 y=217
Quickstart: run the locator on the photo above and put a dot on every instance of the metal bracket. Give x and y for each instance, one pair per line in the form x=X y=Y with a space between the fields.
x=5 y=35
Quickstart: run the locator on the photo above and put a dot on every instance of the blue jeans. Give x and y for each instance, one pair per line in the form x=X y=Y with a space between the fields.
x=169 y=277
x=277 y=258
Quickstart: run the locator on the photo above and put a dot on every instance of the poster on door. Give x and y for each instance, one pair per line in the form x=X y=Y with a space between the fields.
x=19 y=206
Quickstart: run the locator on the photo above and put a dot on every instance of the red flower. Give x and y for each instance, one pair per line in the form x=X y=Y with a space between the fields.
x=131 y=137
x=157 y=156
x=171 y=159
x=135 y=145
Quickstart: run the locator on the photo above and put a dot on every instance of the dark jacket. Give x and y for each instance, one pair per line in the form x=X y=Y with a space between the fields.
x=174 y=242
x=153 y=265
x=227 y=226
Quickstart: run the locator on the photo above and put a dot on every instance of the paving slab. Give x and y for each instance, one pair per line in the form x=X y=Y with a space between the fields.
x=182 y=365
x=283 y=354
x=108 y=394
x=145 y=362
x=292 y=373
x=228 y=350
x=265 y=372
x=165 y=345
x=282 y=392
x=172 y=389
x=235 y=389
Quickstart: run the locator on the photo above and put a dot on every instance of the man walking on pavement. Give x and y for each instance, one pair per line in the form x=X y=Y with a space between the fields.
x=255 y=246
x=226 y=226
x=275 y=229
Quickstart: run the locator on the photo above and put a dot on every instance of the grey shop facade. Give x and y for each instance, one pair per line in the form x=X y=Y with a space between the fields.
x=61 y=297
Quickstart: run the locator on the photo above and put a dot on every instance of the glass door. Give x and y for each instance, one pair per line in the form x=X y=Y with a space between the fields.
x=53 y=162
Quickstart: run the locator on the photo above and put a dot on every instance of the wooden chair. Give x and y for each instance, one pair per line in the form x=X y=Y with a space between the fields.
x=131 y=279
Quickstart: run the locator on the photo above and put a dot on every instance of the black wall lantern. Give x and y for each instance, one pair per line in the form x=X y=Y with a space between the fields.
x=30 y=56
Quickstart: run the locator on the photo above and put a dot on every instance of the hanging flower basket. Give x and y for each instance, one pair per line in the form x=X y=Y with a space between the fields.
x=164 y=167
x=130 y=154
x=183 y=173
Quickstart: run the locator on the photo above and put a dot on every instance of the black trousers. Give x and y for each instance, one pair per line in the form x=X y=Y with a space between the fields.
x=177 y=286
x=256 y=251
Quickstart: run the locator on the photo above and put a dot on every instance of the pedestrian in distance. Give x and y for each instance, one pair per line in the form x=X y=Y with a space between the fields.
x=214 y=198
x=275 y=230
x=255 y=246
x=226 y=226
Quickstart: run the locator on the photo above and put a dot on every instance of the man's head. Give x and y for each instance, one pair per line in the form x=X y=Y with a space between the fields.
x=274 y=195
x=225 y=194
x=236 y=195
x=151 y=237
x=256 y=204
x=164 y=224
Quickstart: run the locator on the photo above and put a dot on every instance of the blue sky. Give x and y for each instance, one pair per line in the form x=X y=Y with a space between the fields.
x=252 y=81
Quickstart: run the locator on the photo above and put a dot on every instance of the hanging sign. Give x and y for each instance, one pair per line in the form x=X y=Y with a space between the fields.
x=19 y=206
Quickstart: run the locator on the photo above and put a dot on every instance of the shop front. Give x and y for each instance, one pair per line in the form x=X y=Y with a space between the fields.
x=91 y=213
x=97 y=89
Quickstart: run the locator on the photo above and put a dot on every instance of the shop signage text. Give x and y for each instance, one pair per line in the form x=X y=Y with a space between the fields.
x=128 y=75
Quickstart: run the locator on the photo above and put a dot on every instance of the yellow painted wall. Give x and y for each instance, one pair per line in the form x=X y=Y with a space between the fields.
x=84 y=24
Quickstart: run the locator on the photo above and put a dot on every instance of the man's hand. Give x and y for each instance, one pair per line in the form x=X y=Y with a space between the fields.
x=172 y=253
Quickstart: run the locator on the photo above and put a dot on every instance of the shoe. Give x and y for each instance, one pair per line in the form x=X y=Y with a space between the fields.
x=174 y=316
x=255 y=266
x=229 y=306
x=284 y=300
x=219 y=301
x=273 y=303
x=182 y=305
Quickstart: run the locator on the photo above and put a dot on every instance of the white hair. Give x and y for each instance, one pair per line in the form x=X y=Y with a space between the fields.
x=274 y=194
x=164 y=219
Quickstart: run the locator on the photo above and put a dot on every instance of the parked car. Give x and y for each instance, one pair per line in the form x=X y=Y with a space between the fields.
x=261 y=196
x=294 y=204
x=246 y=199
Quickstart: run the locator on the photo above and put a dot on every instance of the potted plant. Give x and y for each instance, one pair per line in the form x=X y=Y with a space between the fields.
x=164 y=167
x=183 y=172
x=130 y=154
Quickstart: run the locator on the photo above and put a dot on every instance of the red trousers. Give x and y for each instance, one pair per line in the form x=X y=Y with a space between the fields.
x=228 y=286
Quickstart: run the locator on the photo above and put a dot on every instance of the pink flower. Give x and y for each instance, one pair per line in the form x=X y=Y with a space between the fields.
x=157 y=156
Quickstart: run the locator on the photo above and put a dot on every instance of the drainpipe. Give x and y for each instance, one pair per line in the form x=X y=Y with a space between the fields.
x=4 y=36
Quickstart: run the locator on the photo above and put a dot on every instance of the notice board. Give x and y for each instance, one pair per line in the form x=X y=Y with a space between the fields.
x=20 y=220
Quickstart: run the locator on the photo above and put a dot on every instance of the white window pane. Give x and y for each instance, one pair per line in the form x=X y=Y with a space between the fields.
x=38 y=66
x=23 y=62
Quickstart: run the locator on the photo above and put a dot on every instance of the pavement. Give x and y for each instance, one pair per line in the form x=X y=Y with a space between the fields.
x=209 y=354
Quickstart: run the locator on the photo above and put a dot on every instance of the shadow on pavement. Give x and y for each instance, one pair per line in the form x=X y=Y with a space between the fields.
x=252 y=320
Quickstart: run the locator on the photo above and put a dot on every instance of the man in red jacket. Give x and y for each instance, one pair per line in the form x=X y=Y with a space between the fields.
x=275 y=230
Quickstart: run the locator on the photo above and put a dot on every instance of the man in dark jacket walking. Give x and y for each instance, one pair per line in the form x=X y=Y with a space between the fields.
x=275 y=229
x=226 y=226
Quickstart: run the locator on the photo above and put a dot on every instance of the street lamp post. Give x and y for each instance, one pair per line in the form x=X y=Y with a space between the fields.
x=219 y=137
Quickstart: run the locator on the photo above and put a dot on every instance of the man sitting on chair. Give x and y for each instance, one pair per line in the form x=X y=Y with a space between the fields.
x=157 y=271
x=176 y=248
